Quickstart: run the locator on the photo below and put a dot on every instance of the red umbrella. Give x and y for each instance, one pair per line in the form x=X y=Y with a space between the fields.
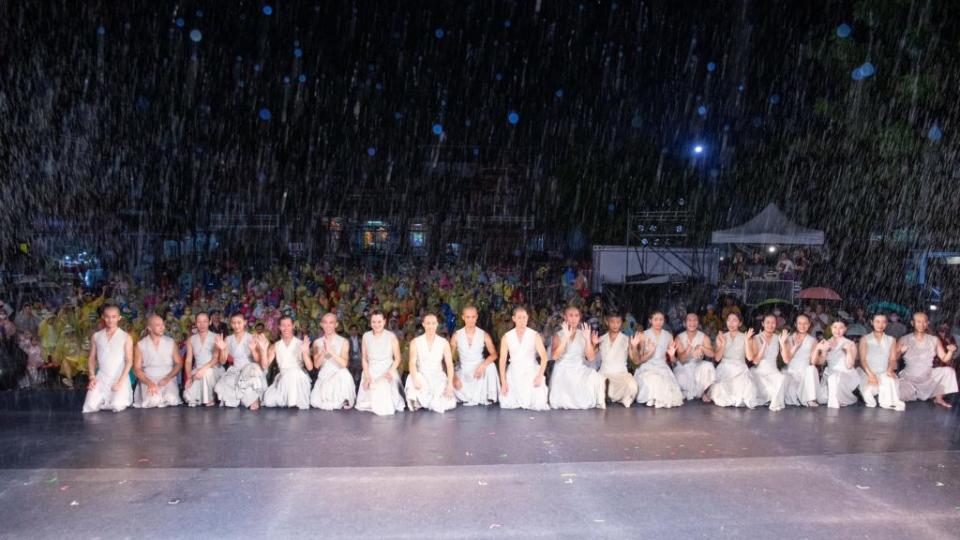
x=818 y=293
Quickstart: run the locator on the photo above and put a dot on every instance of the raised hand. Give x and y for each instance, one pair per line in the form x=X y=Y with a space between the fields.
x=784 y=335
x=595 y=338
x=219 y=342
x=750 y=333
x=637 y=339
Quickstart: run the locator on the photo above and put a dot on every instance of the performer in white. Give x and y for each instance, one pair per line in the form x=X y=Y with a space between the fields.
x=574 y=383
x=734 y=386
x=763 y=351
x=522 y=385
x=428 y=386
x=334 y=388
x=657 y=385
x=839 y=379
x=245 y=381
x=380 y=383
x=109 y=363
x=615 y=349
x=802 y=376
x=156 y=364
x=291 y=386
x=919 y=379
x=202 y=363
x=878 y=367
x=694 y=375
x=477 y=381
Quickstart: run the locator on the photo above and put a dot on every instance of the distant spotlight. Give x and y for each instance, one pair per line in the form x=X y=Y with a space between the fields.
x=843 y=31
x=698 y=149
x=268 y=10
x=195 y=35
x=437 y=129
x=772 y=249
x=513 y=117
x=933 y=307
x=935 y=133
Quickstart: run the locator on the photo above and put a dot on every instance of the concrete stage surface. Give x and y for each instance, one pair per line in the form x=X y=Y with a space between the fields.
x=698 y=471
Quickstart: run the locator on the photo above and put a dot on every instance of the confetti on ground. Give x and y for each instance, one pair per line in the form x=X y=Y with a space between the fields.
x=566 y=474
x=862 y=487
x=74 y=503
x=143 y=460
x=568 y=481
x=122 y=482
x=173 y=501
x=599 y=521
x=52 y=480
x=939 y=484
x=468 y=454
x=503 y=455
x=495 y=525
x=481 y=482
x=64 y=488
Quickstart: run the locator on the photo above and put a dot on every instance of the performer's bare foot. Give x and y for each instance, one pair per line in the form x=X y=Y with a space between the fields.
x=255 y=406
x=939 y=401
x=706 y=398
x=812 y=404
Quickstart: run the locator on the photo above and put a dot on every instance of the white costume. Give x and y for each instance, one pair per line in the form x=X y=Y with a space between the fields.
x=656 y=384
x=919 y=380
x=156 y=361
x=887 y=389
x=839 y=379
x=201 y=391
x=245 y=381
x=110 y=364
x=470 y=354
x=521 y=372
x=433 y=381
x=291 y=386
x=383 y=397
x=622 y=387
x=334 y=388
x=802 y=376
x=694 y=374
x=771 y=384
x=574 y=384
x=735 y=386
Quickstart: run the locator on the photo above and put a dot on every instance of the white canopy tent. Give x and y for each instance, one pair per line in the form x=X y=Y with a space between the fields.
x=770 y=226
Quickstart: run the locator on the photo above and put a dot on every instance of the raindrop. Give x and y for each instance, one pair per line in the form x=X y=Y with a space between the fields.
x=935 y=133
x=775 y=99
x=439 y=33
x=702 y=110
x=397 y=115
x=476 y=151
x=843 y=31
x=468 y=122
x=757 y=121
x=286 y=80
x=265 y=114
x=180 y=22
x=298 y=52
x=740 y=88
x=437 y=129
x=101 y=30
x=711 y=67
x=867 y=69
x=498 y=76
x=267 y=10
x=302 y=78
x=559 y=93
x=857 y=74
x=257 y=67
x=378 y=86
x=296 y=43
x=143 y=103
x=195 y=35
x=199 y=13
x=371 y=151
x=636 y=121
x=507 y=23
x=611 y=208
x=513 y=117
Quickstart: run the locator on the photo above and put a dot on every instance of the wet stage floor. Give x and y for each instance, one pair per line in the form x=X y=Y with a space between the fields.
x=698 y=471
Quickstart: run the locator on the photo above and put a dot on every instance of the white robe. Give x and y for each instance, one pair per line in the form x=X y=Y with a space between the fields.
x=886 y=392
x=803 y=379
x=919 y=380
x=200 y=391
x=334 y=388
x=431 y=377
x=110 y=364
x=156 y=361
x=656 y=383
x=291 y=386
x=734 y=386
x=521 y=372
x=383 y=397
x=470 y=355
x=839 y=380
x=694 y=374
x=574 y=384
x=771 y=384
x=245 y=381
x=621 y=386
